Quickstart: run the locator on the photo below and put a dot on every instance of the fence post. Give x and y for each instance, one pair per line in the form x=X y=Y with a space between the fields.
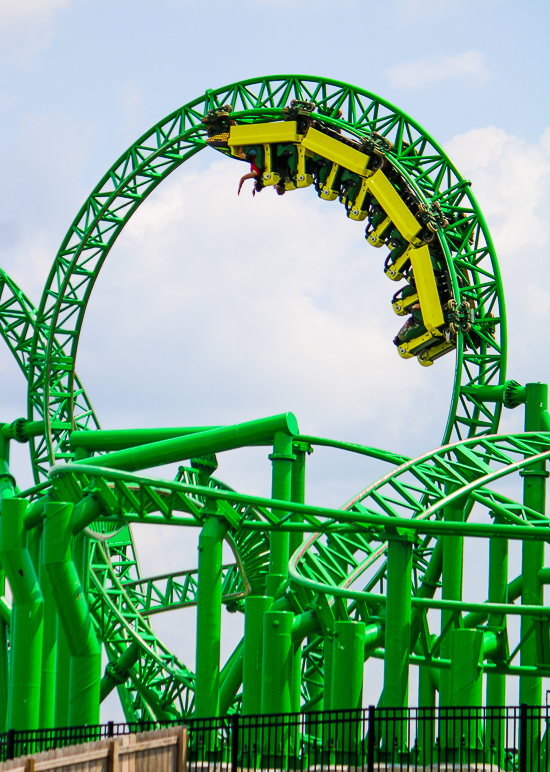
x=523 y=737
x=113 y=763
x=10 y=744
x=181 y=765
x=371 y=738
x=110 y=728
x=234 y=742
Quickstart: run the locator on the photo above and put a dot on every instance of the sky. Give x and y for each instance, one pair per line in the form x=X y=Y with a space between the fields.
x=214 y=308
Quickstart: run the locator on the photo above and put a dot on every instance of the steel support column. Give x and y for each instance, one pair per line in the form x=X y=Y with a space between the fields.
x=466 y=687
x=27 y=619
x=328 y=650
x=49 y=651
x=74 y=615
x=3 y=663
x=281 y=458
x=209 y=609
x=277 y=661
x=495 y=729
x=397 y=640
x=62 y=676
x=255 y=608
x=398 y=624
x=498 y=593
x=534 y=496
x=7 y=489
x=348 y=660
x=453 y=557
x=297 y=494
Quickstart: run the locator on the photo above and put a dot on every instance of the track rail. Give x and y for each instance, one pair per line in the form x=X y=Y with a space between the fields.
x=349 y=543
x=465 y=240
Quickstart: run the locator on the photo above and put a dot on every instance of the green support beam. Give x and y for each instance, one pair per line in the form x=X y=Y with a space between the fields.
x=281 y=459
x=297 y=494
x=453 y=548
x=466 y=687
x=398 y=623
x=209 y=609
x=412 y=522
x=534 y=497
x=108 y=440
x=231 y=679
x=4 y=660
x=277 y=662
x=201 y=444
x=49 y=651
x=348 y=660
x=27 y=622
x=498 y=593
x=255 y=608
x=117 y=673
x=72 y=608
x=62 y=676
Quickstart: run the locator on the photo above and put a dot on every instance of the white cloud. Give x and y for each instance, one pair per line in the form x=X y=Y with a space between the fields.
x=26 y=28
x=428 y=70
x=215 y=308
x=538 y=301
x=511 y=180
x=39 y=194
x=24 y=11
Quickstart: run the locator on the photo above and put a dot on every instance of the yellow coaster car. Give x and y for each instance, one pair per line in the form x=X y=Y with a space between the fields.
x=307 y=149
x=404 y=299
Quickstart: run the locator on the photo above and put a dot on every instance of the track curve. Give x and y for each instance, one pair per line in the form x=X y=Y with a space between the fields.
x=465 y=239
x=347 y=544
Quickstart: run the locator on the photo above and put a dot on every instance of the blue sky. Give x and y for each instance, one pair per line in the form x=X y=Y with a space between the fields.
x=266 y=305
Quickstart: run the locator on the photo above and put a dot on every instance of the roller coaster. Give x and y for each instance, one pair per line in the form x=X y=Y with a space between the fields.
x=322 y=590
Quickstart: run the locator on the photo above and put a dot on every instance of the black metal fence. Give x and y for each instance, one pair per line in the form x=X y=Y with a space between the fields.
x=515 y=739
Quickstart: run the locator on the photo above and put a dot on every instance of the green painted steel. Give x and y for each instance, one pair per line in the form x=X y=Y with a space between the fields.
x=49 y=651
x=323 y=590
x=209 y=610
x=534 y=496
x=348 y=656
x=62 y=675
x=198 y=444
x=498 y=593
x=466 y=667
x=533 y=633
x=255 y=609
x=27 y=620
x=70 y=601
x=4 y=663
x=465 y=238
x=277 y=662
x=281 y=487
x=397 y=641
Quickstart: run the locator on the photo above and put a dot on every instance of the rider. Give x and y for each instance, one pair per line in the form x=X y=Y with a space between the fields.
x=255 y=174
x=412 y=326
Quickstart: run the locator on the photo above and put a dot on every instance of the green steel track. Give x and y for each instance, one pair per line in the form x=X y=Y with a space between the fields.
x=466 y=240
x=340 y=556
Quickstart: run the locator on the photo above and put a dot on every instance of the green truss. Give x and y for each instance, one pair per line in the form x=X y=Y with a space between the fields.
x=341 y=546
x=466 y=241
